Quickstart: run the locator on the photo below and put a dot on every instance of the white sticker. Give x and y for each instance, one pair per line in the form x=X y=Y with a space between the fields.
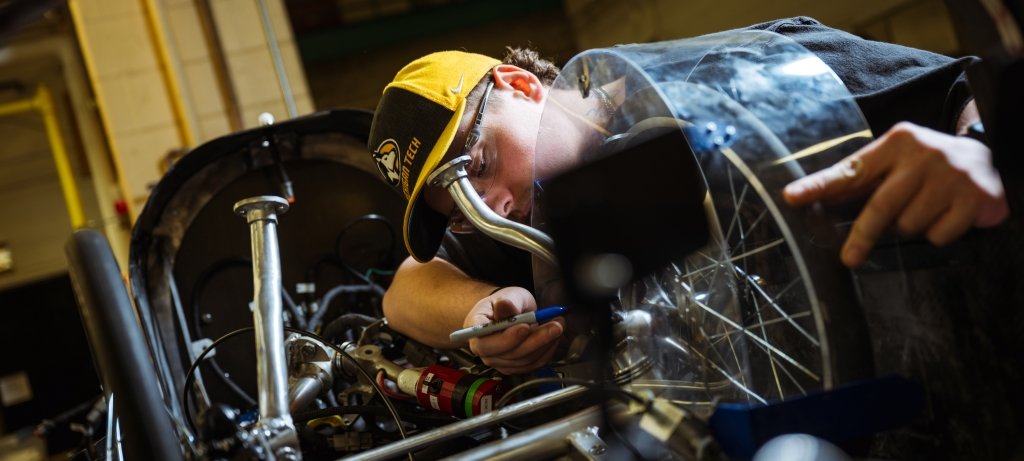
x=433 y=402
x=15 y=389
x=485 y=403
x=425 y=389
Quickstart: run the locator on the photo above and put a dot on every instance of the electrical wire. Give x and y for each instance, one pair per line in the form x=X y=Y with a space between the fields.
x=384 y=397
x=200 y=286
x=300 y=319
x=432 y=418
x=197 y=291
x=338 y=260
x=370 y=217
x=325 y=302
x=344 y=323
x=285 y=187
x=190 y=375
x=374 y=270
x=389 y=392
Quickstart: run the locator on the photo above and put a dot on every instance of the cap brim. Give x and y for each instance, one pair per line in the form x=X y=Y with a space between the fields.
x=424 y=226
x=425 y=231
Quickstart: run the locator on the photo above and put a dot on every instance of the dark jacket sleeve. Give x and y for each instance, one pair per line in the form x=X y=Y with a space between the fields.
x=891 y=83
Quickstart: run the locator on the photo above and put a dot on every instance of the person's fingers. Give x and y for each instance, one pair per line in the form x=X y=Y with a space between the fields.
x=521 y=345
x=992 y=211
x=954 y=223
x=851 y=177
x=539 y=337
x=824 y=184
x=927 y=205
x=992 y=208
x=882 y=208
x=502 y=308
x=500 y=342
x=540 y=361
x=531 y=361
x=859 y=172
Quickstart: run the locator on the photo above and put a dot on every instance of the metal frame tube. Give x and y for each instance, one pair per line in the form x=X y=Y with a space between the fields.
x=460 y=428
x=272 y=377
x=275 y=431
x=452 y=176
x=275 y=54
x=546 y=441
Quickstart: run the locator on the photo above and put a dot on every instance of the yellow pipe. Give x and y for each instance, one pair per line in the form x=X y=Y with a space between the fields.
x=15 y=107
x=159 y=37
x=90 y=68
x=43 y=102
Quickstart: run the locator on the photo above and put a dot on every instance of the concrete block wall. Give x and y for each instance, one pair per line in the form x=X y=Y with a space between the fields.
x=155 y=80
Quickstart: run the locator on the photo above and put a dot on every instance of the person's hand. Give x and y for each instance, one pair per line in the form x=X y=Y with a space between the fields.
x=924 y=181
x=521 y=348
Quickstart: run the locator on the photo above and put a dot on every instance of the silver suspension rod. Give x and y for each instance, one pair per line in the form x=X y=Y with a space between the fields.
x=277 y=431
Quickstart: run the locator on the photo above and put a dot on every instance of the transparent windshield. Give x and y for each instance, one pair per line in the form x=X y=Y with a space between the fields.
x=742 y=317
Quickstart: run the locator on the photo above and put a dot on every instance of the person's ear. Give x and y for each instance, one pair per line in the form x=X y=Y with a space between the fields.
x=522 y=81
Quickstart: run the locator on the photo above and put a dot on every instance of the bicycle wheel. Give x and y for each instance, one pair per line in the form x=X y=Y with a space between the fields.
x=765 y=310
x=761 y=313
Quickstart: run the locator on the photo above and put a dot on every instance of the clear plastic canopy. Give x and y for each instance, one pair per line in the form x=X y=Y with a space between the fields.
x=744 y=317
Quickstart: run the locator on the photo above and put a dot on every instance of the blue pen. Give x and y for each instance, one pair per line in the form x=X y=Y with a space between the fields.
x=476 y=331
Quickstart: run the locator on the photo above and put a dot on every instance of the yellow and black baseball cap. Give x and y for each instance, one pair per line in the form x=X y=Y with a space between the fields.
x=414 y=125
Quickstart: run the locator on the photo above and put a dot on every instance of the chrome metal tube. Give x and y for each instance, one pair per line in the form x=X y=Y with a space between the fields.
x=271 y=374
x=547 y=441
x=275 y=53
x=460 y=428
x=304 y=392
x=452 y=176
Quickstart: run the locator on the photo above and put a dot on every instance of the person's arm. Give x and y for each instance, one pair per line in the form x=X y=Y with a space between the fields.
x=428 y=301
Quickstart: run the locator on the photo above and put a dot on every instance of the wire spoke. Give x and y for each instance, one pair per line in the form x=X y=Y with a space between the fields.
x=771 y=360
x=753 y=336
x=715 y=367
x=779 y=309
x=736 y=203
x=757 y=250
x=727 y=333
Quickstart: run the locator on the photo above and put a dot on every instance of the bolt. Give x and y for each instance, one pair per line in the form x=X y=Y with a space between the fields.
x=207 y=318
x=288 y=453
x=308 y=350
x=261 y=207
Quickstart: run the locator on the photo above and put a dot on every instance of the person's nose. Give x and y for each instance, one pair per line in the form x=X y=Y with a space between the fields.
x=500 y=201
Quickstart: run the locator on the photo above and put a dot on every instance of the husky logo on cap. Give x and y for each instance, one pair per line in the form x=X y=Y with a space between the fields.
x=388 y=157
